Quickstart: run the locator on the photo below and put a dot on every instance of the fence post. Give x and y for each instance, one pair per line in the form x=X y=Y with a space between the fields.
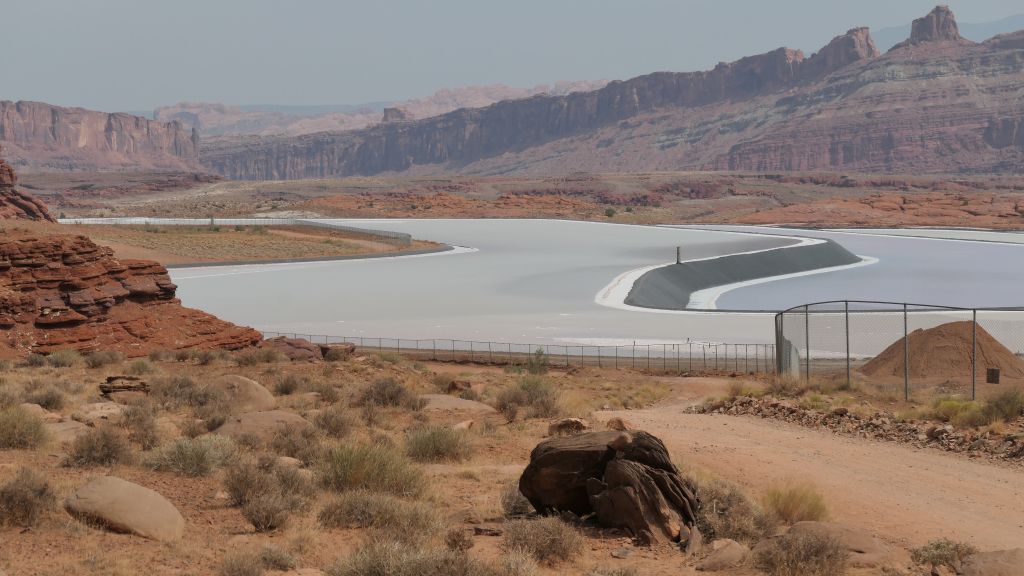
x=704 y=350
x=434 y=356
x=807 y=342
x=510 y=354
x=648 y=357
x=846 y=309
x=689 y=346
x=453 y=350
x=599 y=357
x=906 y=357
x=616 y=356
x=664 y=359
x=974 y=354
x=490 y=357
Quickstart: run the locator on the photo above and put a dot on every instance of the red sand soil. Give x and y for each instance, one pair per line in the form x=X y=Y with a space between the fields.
x=945 y=351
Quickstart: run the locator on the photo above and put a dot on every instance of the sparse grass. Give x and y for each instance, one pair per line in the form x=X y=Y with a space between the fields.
x=302 y=442
x=289 y=384
x=268 y=494
x=258 y=356
x=517 y=562
x=533 y=393
x=513 y=503
x=63 y=358
x=387 y=516
x=538 y=362
x=180 y=390
x=336 y=421
x=796 y=503
x=335 y=355
x=20 y=429
x=193 y=456
x=275 y=558
x=101 y=359
x=813 y=401
x=942 y=552
x=243 y=562
x=390 y=358
x=35 y=360
x=268 y=511
x=1007 y=405
x=785 y=387
x=727 y=512
x=371 y=467
x=802 y=555
x=433 y=443
x=140 y=367
x=103 y=446
x=25 y=498
x=548 y=540
x=382 y=558
x=388 y=392
x=49 y=396
x=139 y=419
x=458 y=539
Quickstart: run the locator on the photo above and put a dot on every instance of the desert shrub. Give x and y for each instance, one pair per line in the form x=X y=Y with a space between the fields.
x=387 y=516
x=458 y=540
x=25 y=498
x=139 y=367
x=513 y=503
x=268 y=494
x=438 y=444
x=139 y=419
x=442 y=382
x=549 y=540
x=335 y=355
x=336 y=422
x=214 y=411
x=34 y=360
x=372 y=467
x=161 y=356
x=182 y=355
x=180 y=390
x=101 y=359
x=63 y=358
x=942 y=552
x=328 y=393
x=972 y=416
x=372 y=415
x=288 y=385
x=258 y=356
x=388 y=392
x=390 y=358
x=268 y=511
x=785 y=387
x=727 y=512
x=508 y=402
x=382 y=558
x=806 y=554
x=796 y=503
x=205 y=357
x=5 y=365
x=1007 y=405
x=302 y=442
x=538 y=362
x=193 y=456
x=20 y=429
x=241 y=563
x=49 y=396
x=9 y=395
x=275 y=558
x=946 y=409
x=103 y=446
x=534 y=393
x=517 y=562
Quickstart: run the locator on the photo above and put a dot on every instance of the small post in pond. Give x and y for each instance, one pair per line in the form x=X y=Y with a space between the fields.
x=679 y=254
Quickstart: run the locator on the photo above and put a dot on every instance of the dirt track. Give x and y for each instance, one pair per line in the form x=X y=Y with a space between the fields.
x=904 y=495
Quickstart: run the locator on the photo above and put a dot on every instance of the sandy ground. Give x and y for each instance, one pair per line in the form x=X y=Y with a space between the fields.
x=906 y=496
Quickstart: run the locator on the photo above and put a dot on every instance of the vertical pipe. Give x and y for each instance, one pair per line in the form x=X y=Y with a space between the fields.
x=974 y=354
x=807 y=343
x=664 y=358
x=616 y=356
x=434 y=342
x=846 y=308
x=906 y=357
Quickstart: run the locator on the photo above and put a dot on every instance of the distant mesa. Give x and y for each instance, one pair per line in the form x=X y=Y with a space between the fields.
x=938 y=26
x=396 y=115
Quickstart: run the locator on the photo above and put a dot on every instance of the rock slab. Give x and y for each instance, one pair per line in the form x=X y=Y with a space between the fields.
x=122 y=506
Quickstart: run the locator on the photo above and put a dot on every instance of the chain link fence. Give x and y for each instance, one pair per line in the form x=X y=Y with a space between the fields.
x=905 y=350
x=663 y=358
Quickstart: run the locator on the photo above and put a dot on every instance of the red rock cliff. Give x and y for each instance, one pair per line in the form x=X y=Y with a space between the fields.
x=65 y=292
x=15 y=204
x=40 y=135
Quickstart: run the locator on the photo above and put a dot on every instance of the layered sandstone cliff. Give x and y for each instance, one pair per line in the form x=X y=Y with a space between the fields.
x=936 y=104
x=65 y=292
x=15 y=204
x=43 y=136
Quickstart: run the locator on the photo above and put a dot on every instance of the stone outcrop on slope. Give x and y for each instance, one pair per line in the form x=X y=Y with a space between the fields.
x=52 y=137
x=15 y=204
x=65 y=292
x=914 y=109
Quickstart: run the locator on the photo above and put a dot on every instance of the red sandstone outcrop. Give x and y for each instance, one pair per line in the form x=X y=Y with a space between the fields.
x=846 y=107
x=44 y=136
x=17 y=205
x=65 y=292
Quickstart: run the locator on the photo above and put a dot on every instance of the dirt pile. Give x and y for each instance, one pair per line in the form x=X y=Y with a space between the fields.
x=15 y=204
x=945 y=351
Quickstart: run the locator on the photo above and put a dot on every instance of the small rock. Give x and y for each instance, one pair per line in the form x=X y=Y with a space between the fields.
x=725 y=554
x=566 y=426
x=622 y=553
x=288 y=462
x=618 y=424
x=464 y=425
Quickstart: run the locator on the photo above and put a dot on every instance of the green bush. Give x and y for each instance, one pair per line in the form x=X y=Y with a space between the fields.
x=103 y=446
x=942 y=552
x=438 y=444
x=549 y=540
x=101 y=359
x=1008 y=405
x=796 y=503
x=371 y=467
x=538 y=362
x=25 y=498
x=807 y=554
x=387 y=516
x=20 y=429
x=193 y=456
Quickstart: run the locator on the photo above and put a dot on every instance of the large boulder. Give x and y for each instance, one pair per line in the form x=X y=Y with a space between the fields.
x=243 y=394
x=262 y=425
x=97 y=412
x=999 y=563
x=725 y=554
x=627 y=480
x=123 y=506
x=294 y=348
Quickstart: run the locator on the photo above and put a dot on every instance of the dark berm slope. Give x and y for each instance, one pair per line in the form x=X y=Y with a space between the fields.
x=670 y=287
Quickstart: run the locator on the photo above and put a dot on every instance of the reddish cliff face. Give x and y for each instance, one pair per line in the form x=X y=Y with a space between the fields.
x=65 y=292
x=18 y=205
x=936 y=104
x=43 y=136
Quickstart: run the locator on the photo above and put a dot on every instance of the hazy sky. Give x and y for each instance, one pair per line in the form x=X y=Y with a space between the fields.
x=137 y=54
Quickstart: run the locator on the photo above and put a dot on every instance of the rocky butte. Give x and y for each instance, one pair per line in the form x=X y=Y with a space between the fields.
x=917 y=108
x=65 y=292
x=43 y=136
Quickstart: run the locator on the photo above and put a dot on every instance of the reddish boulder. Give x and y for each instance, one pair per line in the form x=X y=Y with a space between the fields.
x=15 y=204
x=294 y=348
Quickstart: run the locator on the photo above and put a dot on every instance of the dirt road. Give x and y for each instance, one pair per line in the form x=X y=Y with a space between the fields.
x=906 y=496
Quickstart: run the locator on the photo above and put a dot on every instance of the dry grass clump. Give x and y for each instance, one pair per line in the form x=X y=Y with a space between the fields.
x=49 y=396
x=180 y=390
x=103 y=446
x=538 y=362
x=290 y=384
x=434 y=443
x=267 y=492
x=517 y=562
x=534 y=393
x=727 y=512
x=458 y=539
x=389 y=392
x=302 y=442
x=1008 y=405
x=335 y=355
x=796 y=503
x=241 y=563
x=336 y=421
x=943 y=552
x=382 y=558
x=275 y=558
x=35 y=360
x=25 y=498
x=20 y=429
x=513 y=503
x=193 y=456
x=805 y=554
x=371 y=467
x=549 y=540
x=101 y=359
x=139 y=419
x=1005 y=406
x=140 y=367
x=387 y=516
x=63 y=358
